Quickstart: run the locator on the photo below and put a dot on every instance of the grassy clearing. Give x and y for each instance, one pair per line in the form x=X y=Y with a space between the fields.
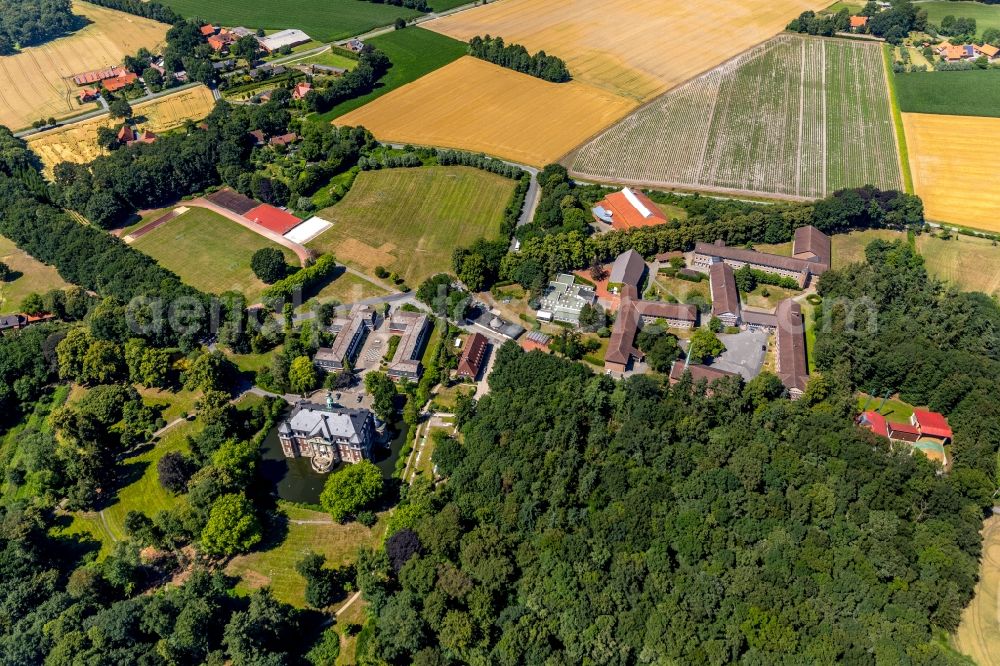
x=348 y=288
x=325 y=20
x=683 y=291
x=410 y=220
x=897 y=123
x=972 y=93
x=354 y=614
x=329 y=59
x=142 y=490
x=987 y=16
x=775 y=295
x=275 y=565
x=252 y=362
x=413 y=52
x=30 y=274
x=209 y=252
x=88 y=527
x=175 y=404
x=893 y=409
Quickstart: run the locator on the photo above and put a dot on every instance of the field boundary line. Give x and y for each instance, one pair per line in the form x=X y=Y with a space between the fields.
x=802 y=114
x=825 y=119
x=898 y=129
x=695 y=188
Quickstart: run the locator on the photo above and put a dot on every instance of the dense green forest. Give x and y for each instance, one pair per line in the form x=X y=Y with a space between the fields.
x=32 y=22
x=588 y=521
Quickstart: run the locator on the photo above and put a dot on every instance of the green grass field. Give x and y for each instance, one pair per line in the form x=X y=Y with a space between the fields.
x=410 y=220
x=413 y=52
x=325 y=20
x=894 y=410
x=328 y=58
x=30 y=275
x=972 y=93
x=987 y=16
x=969 y=263
x=346 y=288
x=793 y=117
x=274 y=565
x=209 y=252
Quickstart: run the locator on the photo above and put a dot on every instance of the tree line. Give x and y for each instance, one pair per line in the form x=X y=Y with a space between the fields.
x=33 y=22
x=892 y=24
x=372 y=64
x=591 y=521
x=150 y=10
x=419 y=5
x=516 y=57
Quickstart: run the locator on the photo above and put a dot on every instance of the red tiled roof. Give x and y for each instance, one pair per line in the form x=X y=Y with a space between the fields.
x=95 y=75
x=897 y=426
x=208 y=30
x=859 y=21
x=126 y=134
x=272 y=218
x=119 y=82
x=625 y=215
x=932 y=424
x=301 y=89
x=874 y=422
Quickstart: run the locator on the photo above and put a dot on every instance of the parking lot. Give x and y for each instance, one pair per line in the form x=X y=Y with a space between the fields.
x=745 y=353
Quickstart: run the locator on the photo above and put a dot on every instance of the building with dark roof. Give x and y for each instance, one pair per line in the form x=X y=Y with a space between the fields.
x=725 y=295
x=628 y=268
x=327 y=434
x=536 y=340
x=473 y=355
x=351 y=332
x=698 y=372
x=811 y=254
x=790 y=353
x=633 y=314
x=481 y=316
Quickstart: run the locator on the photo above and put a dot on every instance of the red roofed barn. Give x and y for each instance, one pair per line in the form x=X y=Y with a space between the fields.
x=627 y=209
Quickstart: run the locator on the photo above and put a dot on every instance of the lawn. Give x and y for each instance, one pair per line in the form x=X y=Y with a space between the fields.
x=327 y=58
x=325 y=20
x=143 y=491
x=413 y=52
x=175 y=404
x=972 y=93
x=775 y=295
x=347 y=288
x=410 y=220
x=683 y=291
x=987 y=16
x=893 y=409
x=30 y=275
x=275 y=564
x=209 y=252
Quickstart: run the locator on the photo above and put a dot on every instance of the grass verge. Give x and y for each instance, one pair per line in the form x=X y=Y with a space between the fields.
x=897 y=120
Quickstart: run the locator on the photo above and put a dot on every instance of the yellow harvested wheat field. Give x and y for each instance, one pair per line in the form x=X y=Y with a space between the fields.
x=78 y=142
x=37 y=82
x=951 y=158
x=635 y=48
x=979 y=634
x=474 y=105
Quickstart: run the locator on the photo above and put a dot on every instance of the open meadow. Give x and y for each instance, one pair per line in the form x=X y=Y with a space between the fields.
x=987 y=16
x=414 y=52
x=410 y=220
x=978 y=635
x=324 y=20
x=209 y=252
x=78 y=142
x=796 y=117
x=632 y=48
x=974 y=92
x=950 y=158
x=475 y=105
x=30 y=275
x=37 y=82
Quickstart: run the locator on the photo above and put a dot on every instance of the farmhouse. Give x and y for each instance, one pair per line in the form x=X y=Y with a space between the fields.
x=811 y=254
x=354 y=45
x=926 y=431
x=792 y=364
x=628 y=209
x=351 y=332
x=858 y=23
x=96 y=75
x=284 y=139
x=473 y=355
x=633 y=312
x=273 y=219
x=327 y=434
x=988 y=51
x=290 y=37
x=88 y=95
x=412 y=329
x=301 y=89
x=952 y=52
x=119 y=82
x=128 y=135
x=208 y=30
x=725 y=295
x=563 y=300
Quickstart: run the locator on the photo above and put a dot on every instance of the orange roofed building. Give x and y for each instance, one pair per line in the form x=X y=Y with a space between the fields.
x=119 y=82
x=858 y=22
x=628 y=209
x=273 y=219
x=301 y=90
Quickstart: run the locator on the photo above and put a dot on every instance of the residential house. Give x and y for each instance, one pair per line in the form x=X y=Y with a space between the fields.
x=926 y=431
x=12 y=322
x=328 y=434
x=119 y=82
x=411 y=327
x=725 y=295
x=208 y=30
x=220 y=42
x=284 y=139
x=858 y=23
x=257 y=137
x=473 y=355
x=351 y=332
x=988 y=51
x=563 y=300
x=792 y=363
x=88 y=95
x=628 y=209
x=955 y=52
x=354 y=45
x=301 y=89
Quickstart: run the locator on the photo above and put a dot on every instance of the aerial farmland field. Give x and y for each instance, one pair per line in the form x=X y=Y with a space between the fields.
x=633 y=48
x=78 y=142
x=947 y=156
x=796 y=117
x=37 y=82
x=475 y=105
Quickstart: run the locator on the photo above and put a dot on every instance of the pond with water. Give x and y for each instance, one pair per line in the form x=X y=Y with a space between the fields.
x=293 y=479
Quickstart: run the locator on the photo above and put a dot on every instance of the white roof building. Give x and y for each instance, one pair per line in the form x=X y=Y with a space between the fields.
x=289 y=37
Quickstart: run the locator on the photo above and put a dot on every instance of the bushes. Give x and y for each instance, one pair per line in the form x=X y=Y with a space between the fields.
x=268 y=264
x=301 y=280
x=372 y=64
x=516 y=57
